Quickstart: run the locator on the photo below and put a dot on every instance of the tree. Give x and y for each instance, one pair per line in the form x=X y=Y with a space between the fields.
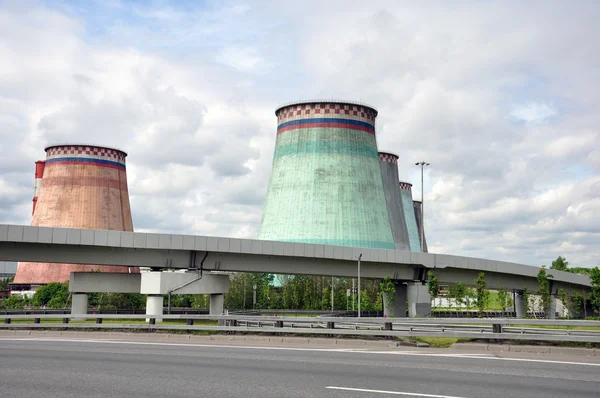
x=502 y=299
x=458 y=292
x=388 y=287
x=544 y=290
x=595 y=296
x=14 y=301
x=526 y=303
x=483 y=295
x=56 y=293
x=433 y=286
x=560 y=264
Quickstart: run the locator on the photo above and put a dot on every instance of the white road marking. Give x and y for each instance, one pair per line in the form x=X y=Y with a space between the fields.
x=346 y=350
x=410 y=394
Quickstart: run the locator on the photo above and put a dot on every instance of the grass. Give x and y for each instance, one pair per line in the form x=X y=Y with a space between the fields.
x=438 y=342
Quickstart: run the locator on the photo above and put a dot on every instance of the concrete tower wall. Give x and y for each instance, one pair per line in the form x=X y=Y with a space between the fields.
x=37 y=185
x=82 y=187
x=409 y=216
x=389 y=172
x=326 y=185
x=419 y=217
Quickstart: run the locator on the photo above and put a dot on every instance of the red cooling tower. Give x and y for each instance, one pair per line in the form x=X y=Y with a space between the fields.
x=78 y=186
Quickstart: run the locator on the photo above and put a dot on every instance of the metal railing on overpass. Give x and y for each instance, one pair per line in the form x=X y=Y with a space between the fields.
x=479 y=328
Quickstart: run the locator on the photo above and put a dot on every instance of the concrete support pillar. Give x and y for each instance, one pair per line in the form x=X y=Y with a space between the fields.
x=154 y=306
x=217 y=303
x=588 y=310
x=520 y=305
x=419 y=300
x=79 y=305
x=398 y=309
x=551 y=312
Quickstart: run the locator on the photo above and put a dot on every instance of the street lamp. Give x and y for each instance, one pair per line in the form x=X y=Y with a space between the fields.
x=254 y=296
x=359 y=257
x=422 y=164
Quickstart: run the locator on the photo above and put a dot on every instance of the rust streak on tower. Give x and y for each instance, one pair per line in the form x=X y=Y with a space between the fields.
x=78 y=186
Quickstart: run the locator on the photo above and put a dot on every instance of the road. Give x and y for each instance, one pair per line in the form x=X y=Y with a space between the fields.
x=61 y=367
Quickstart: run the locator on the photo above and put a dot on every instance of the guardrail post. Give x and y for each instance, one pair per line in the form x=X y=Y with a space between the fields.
x=36 y=320
x=152 y=321
x=497 y=328
x=190 y=322
x=7 y=320
x=98 y=320
x=387 y=326
x=278 y=324
x=65 y=320
x=330 y=325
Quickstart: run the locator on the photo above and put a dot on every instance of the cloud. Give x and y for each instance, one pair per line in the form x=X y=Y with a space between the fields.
x=505 y=115
x=534 y=112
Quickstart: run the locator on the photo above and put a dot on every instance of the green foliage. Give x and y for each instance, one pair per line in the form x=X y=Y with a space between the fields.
x=458 y=292
x=544 y=290
x=56 y=293
x=573 y=302
x=388 y=287
x=502 y=298
x=113 y=301
x=595 y=296
x=14 y=301
x=4 y=283
x=483 y=295
x=560 y=264
x=580 y=270
x=526 y=297
x=433 y=285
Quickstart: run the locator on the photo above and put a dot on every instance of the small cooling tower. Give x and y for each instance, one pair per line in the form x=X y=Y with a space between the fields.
x=409 y=216
x=78 y=186
x=419 y=217
x=388 y=163
x=325 y=185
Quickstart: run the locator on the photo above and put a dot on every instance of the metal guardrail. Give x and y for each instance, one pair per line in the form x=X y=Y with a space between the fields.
x=479 y=328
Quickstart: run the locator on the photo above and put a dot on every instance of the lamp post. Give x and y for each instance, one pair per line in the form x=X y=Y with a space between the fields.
x=359 y=257
x=422 y=164
x=254 y=296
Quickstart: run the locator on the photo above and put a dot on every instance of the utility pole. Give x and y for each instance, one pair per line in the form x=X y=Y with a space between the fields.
x=422 y=164
x=359 y=257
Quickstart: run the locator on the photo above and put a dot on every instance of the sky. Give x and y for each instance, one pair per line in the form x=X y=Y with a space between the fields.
x=501 y=97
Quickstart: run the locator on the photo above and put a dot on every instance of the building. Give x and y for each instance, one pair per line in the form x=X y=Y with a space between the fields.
x=77 y=186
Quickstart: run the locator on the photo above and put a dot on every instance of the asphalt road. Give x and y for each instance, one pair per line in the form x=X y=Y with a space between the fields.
x=67 y=368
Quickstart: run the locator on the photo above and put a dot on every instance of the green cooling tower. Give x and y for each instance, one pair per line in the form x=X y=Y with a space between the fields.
x=326 y=185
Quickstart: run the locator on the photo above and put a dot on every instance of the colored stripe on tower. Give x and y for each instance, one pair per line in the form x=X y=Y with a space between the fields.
x=91 y=162
x=326 y=123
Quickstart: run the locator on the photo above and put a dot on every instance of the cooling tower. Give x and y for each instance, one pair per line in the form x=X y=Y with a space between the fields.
x=388 y=163
x=409 y=216
x=325 y=185
x=82 y=187
x=419 y=217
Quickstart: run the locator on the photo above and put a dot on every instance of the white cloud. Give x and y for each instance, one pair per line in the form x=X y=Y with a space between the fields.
x=534 y=112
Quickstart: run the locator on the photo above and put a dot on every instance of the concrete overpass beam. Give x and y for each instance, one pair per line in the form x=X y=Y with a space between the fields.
x=217 y=303
x=419 y=300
